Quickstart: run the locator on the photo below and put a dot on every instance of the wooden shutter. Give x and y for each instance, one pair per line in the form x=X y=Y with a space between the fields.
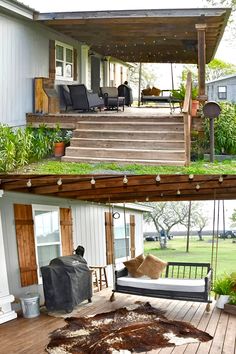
x=75 y=73
x=109 y=238
x=52 y=59
x=132 y=236
x=26 y=245
x=66 y=231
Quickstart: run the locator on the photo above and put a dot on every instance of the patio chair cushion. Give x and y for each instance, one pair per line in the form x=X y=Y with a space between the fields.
x=109 y=91
x=133 y=264
x=167 y=284
x=155 y=91
x=152 y=266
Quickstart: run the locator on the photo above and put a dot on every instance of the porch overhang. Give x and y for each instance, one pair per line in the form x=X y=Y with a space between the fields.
x=158 y=36
x=112 y=189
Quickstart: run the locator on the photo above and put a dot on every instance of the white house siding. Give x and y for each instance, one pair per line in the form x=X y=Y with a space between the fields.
x=230 y=83
x=24 y=55
x=88 y=230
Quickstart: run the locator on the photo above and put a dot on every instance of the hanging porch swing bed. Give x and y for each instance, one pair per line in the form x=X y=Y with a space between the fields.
x=181 y=281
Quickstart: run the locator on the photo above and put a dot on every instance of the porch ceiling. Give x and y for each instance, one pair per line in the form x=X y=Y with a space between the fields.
x=158 y=36
x=111 y=187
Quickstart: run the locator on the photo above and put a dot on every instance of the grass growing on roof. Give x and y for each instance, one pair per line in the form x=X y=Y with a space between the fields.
x=200 y=251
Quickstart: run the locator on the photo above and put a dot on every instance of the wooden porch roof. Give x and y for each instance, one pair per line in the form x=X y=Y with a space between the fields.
x=111 y=188
x=158 y=36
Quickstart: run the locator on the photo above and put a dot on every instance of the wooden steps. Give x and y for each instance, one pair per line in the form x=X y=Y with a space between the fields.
x=131 y=139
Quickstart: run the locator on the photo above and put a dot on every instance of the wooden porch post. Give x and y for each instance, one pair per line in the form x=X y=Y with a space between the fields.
x=201 y=35
x=139 y=83
x=84 y=66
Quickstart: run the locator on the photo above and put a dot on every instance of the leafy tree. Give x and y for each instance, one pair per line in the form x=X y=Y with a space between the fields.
x=166 y=215
x=233 y=218
x=197 y=220
x=214 y=70
x=200 y=221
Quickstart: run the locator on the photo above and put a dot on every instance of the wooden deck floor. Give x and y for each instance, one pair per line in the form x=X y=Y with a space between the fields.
x=30 y=336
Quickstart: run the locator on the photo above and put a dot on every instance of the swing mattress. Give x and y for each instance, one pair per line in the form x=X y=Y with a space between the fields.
x=166 y=284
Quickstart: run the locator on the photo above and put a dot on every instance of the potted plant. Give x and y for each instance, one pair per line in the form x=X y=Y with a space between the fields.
x=61 y=138
x=180 y=94
x=223 y=287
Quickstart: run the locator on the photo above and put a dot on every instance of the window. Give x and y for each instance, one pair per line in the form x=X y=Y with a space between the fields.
x=64 y=61
x=122 y=235
x=222 y=92
x=47 y=234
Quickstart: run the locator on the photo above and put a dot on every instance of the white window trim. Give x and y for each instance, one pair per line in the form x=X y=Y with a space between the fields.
x=65 y=46
x=46 y=208
x=128 y=256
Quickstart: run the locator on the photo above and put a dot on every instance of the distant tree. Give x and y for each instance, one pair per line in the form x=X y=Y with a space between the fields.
x=214 y=70
x=233 y=218
x=200 y=221
x=166 y=215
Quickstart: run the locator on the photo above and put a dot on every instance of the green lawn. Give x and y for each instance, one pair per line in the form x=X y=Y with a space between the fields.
x=53 y=166
x=200 y=251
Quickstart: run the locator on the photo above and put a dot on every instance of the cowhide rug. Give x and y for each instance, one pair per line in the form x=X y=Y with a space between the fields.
x=122 y=331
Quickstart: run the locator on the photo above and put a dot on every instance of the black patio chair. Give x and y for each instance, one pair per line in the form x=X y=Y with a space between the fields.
x=84 y=100
x=126 y=91
x=111 y=98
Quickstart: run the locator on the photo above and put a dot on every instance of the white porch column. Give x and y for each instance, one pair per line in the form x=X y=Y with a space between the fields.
x=106 y=68
x=84 y=66
x=6 y=313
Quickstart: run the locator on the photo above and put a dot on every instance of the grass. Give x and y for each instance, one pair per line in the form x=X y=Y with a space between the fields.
x=53 y=166
x=200 y=251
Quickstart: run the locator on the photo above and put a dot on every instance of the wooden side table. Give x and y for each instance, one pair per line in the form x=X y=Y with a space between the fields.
x=102 y=275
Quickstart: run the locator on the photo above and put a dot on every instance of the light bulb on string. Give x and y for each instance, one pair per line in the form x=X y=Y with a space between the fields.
x=92 y=181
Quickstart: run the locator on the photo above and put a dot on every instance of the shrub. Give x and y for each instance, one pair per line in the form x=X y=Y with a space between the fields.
x=225 y=129
x=223 y=285
x=19 y=147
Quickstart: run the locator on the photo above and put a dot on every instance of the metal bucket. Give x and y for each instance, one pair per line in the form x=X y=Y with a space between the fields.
x=30 y=305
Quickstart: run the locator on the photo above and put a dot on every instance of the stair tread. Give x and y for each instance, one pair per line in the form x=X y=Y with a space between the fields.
x=122 y=149
x=125 y=140
x=98 y=159
x=129 y=131
x=129 y=122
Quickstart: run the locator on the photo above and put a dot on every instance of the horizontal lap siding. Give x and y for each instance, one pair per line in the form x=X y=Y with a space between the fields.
x=24 y=55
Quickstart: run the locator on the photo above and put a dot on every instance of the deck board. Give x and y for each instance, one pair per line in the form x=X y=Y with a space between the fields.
x=30 y=336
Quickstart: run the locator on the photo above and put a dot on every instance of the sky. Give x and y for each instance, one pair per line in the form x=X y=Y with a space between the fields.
x=226 y=51
x=207 y=207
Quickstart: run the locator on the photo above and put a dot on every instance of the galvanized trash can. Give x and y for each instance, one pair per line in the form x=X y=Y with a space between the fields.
x=30 y=305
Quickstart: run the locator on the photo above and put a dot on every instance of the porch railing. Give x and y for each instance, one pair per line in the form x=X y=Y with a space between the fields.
x=187 y=119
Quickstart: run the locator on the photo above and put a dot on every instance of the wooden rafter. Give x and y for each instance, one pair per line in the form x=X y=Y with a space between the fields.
x=143 y=35
x=111 y=187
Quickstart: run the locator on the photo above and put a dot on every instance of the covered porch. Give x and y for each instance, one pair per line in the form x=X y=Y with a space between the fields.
x=220 y=325
x=134 y=36
x=117 y=189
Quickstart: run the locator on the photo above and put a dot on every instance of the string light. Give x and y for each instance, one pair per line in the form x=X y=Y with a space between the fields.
x=92 y=181
x=28 y=183
x=197 y=187
x=221 y=179
x=191 y=176
x=178 y=192
x=158 y=178
x=59 y=182
x=125 y=179
x=147 y=199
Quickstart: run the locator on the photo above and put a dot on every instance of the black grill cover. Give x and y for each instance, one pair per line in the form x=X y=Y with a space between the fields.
x=67 y=281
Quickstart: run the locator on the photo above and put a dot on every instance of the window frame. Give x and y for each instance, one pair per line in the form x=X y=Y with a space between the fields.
x=223 y=93
x=45 y=208
x=126 y=217
x=64 y=61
